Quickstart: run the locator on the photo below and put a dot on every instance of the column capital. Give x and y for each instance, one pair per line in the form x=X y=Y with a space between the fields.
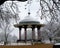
x=20 y=27
x=38 y=27
x=33 y=26
x=25 y=26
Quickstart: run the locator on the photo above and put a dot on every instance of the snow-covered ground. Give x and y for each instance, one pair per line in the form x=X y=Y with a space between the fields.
x=20 y=44
x=28 y=43
x=2 y=43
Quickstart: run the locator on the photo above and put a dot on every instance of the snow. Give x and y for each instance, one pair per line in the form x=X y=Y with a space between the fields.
x=57 y=44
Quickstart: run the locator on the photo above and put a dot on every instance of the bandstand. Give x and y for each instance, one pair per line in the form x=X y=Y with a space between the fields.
x=29 y=22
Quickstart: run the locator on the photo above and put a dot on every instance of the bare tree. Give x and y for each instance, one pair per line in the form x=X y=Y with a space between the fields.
x=8 y=12
x=7 y=29
x=50 y=10
x=14 y=38
x=2 y=1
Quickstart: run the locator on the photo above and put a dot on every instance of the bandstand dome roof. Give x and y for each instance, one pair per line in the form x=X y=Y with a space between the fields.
x=29 y=20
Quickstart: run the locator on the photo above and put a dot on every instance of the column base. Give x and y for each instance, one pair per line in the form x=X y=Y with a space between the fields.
x=33 y=40
x=20 y=41
x=39 y=40
x=36 y=40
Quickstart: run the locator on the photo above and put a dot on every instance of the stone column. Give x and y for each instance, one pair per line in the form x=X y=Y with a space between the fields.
x=19 y=33
x=33 y=32
x=25 y=29
x=38 y=31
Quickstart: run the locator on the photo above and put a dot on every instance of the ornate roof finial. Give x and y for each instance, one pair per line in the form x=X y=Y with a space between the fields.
x=28 y=13
x=29 y=7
